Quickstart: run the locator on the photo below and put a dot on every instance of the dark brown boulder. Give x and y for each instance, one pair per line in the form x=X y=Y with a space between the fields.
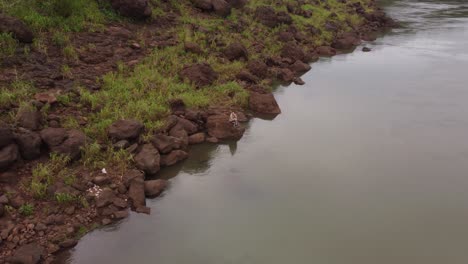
x=136 y=193
x=16 y=27
x=125 y=129
x=28 y=254
x=173 y=157
x=285 y=36
x=148 y=159
x=267 y=16
x=72 y=145
x=219 y=127
x=8 y=156
x=29 y=143
x=258 y=68
x=182 y=135
x=105 y=198
x=325 y=51
x=166 y=144
x=138 y=9
x=221 y=7
x=246 y=76
x=53 y=136
x=285 y=75
x=292 y=51
x=197 y=138
x=68 y=243
x=205 y=5
x=154 y=188
x=130 y=175
x=264 y=103
x=193 y=48
x=236 y=51
x=284 y=18
x=346 y=41
x=6 y=135
x=200 y=74
x=237 y=3
x=29 y=118
x=186 y=125
x=299 y=67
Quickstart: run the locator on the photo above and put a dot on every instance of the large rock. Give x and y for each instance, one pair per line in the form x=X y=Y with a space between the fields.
x=200 y=74
x=29 y=119
x=299 y=67
x=72 y=145
x=197 y=138
x=258 y=68
x=28 y=254
x=166 y=144
x=264 y=103
x=236 y=51
x=184 y=124
x=16 y=27
x=270 y=18
x=219 y=127
x=148 y=159
x=154 y=188
x=138 y=9
x=173 y=157
x=347 y=41
x=325 y=51
x=125 y=129
x=205 y=5
x=53 y=136
x=105 y=198
x=136 y=193
x=293 y=51
x=29 y=143
x=221 y=7
x=237 y=3
x=130 y=175
x=8 y=156
x=6 y=135
x=182 y=135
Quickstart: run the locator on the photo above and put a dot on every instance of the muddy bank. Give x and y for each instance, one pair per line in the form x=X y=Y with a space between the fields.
x=48 y=203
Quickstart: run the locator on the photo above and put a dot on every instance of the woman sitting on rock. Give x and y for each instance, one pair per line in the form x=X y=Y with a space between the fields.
x=233 y=119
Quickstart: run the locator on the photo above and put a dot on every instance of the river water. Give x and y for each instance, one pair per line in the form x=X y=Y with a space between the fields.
x=367 y=164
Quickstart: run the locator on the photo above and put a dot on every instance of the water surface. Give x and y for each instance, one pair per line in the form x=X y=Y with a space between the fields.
x=368 y=163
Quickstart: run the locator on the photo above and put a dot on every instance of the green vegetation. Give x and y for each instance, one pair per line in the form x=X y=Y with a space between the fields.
x=63 y=15
x=26 y=209
x=19 y=91
x=144 y=92
x=63 y=198
x=8 y=45
x=46 y=174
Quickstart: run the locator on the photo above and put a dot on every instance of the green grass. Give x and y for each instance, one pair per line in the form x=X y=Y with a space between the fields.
x=64 y=198
x=8 y=45
x=144 y=92
x=18 y=91
x=26 y=209
x=46 y=174
x=63 y=15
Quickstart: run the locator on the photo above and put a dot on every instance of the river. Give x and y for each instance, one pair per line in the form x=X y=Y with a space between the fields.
x=368 y=163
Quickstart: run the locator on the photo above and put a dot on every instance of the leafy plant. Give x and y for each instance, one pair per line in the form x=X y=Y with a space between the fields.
x=26 y=209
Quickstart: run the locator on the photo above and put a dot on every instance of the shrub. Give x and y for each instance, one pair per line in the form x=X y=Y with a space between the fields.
x=26 y=209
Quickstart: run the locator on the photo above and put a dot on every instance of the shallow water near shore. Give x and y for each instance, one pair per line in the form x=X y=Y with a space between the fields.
x=368 y=163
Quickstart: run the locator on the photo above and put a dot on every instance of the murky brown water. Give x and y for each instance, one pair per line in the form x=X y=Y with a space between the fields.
x=367 y=164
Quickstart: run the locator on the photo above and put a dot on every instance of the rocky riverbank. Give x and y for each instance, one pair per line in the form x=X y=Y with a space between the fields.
x=89 y=119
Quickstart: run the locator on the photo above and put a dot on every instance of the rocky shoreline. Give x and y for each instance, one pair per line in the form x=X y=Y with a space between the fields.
x=53 y=190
